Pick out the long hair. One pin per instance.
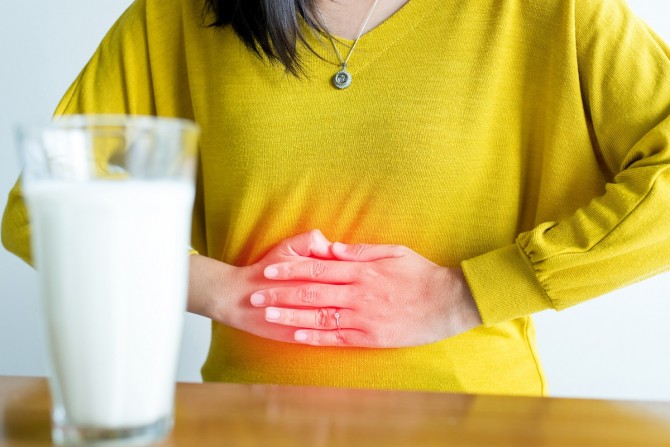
(269, 28)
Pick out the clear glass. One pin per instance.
(110, 201)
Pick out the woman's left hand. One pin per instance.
(384, 296)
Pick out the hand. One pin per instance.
(221, 291)
(382, 295)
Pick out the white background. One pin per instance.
(614, 347)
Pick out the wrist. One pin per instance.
(464, 309)
(209, 287)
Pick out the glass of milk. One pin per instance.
(110, 200)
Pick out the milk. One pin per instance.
(113, 263)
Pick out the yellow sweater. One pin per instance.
(526, 142)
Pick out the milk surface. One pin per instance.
(113, 263)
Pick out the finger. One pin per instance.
(321, 318)
(321, 271)
(255, 323)
(312, 243)
(344, 337)
(305, 295)
(367, 252)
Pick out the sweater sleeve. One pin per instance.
(117, 79)
(622, 236)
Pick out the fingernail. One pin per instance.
(272, 314)
(300, 336)
(257, 299)
(271, 271)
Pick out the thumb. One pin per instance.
(366, 252)
(312, 243)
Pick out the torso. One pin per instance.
(452, 104)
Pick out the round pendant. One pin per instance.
(342, 79)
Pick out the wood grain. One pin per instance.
(267, 416)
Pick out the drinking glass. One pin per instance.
(110, 200)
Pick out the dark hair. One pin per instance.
(269, 28)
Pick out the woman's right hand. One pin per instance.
(221, 291)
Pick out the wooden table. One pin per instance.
(226, 415)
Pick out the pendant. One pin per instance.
(342, 79)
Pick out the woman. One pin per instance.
(479, 162)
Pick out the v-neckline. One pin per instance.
(374, 41)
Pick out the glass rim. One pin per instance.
(81, 121)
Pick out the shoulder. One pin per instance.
(168, 13)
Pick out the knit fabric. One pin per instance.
(526, 142)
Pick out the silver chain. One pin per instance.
(344, 62)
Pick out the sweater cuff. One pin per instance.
(504, 285)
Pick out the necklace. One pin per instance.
(342, 79)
